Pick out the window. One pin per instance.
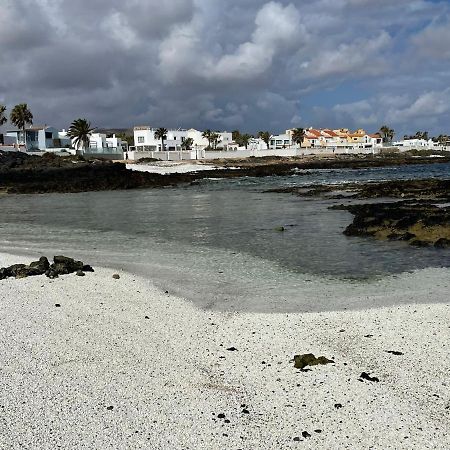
(140, 139)
(48, 135)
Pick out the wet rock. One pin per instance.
(366, 376)
(80, 273)
(442, 243)
(419, 223)
(87, 268)
(308, 359)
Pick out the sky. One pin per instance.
(229, 64)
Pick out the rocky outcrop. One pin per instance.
(62, 265)
(22, 173)
(418, 223)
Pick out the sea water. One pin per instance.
(216, 242)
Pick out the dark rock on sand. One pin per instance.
(116, 276)
(301, 361)
(62, 265)
(366, 376)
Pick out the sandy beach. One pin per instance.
(122, 365)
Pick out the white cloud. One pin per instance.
(360, 57)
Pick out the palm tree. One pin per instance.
(245, 138)
(80, 131)
(298, 136)
(3, 118)
(207, 134)
(215, 138)
(187, 143)
(20, 117)
(387, 133)
(265, 136)
(161, 133)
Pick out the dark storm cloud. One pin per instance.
(248, 64)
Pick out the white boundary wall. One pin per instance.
(237, 154)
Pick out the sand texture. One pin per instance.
(122, 365)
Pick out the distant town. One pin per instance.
(191, 144)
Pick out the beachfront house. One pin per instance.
(39, 138)
(418, 144)
(326, 140)
(145, 140)
(201, 143)
(101, 143)
(280, 141)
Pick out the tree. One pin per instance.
(20, 117)
(215, 139)
(265, 136)
(80, 131)
(298, 136)
(387, 134)
(161, 133)
(187, 143)
(207, 134)
(245, 138)
(421, 135)
(3, 118)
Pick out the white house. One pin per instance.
(225, 139)
(100, 143)
(144, 139)
(280, 141)
(37, 138)
(417, 144)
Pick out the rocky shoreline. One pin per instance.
(26, 174)
(421, 217)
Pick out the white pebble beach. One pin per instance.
(123, 365)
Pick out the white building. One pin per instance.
(418, 144)
(102, 144)
(39, 138)
(225, 139)
(144, 139)
(280, 141)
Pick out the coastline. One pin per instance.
(170, 376)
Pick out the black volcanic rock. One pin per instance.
(421, 224)
(62, 265)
